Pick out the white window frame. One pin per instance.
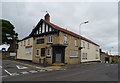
(83, 44)
(73, 53)
(84, 55)
(28, 51)
(88, 45)
(50, 40)
(48, 50)
(65, 39)
(38, 52)
(96, 48)
(76, 42)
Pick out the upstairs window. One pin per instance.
(75, 42)
(65, 40)
(50, 39)
(24, 42)
(83, 44)
(40, 41)
(96, 48)
(88, 45)
(28, 41)
(21, 43)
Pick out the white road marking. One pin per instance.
(8, 72)
(25, 72)
(41, 70)
(33, 71)
(49, 69)
(21, 67)
(4, 76)
(38, 67)
(14, 74)
(0, 66)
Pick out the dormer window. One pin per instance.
(50, 39)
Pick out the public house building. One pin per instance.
(49, 44)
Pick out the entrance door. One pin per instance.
(106, 59)
(58, 57)
(58, 54)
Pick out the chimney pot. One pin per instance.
(47, 17)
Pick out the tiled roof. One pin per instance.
(25, 38)
(71, 33)
(68, 32)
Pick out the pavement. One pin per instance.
(17, 67)
(20, 71)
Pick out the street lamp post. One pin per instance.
(111, 50)
(80, 34)
(81, 24)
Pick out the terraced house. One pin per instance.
(49, 43)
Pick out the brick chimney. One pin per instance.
(47, 17)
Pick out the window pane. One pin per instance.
(48, 51)
(65, 39)
(37, 52)
(50, 39)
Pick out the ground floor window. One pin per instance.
(74, 53)
(48, 51)
(28, 51)
(84, 55)
(96, 56)
(37, 52)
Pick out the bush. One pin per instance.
(114, 62)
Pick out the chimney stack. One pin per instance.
(47, 17)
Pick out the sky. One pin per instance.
(102, 16)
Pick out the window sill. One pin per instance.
(65, 43)
(73, 56)
(37, 56)
(49, 42)
(48, 56)
(76, 46)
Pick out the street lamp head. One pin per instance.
(86, 22)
